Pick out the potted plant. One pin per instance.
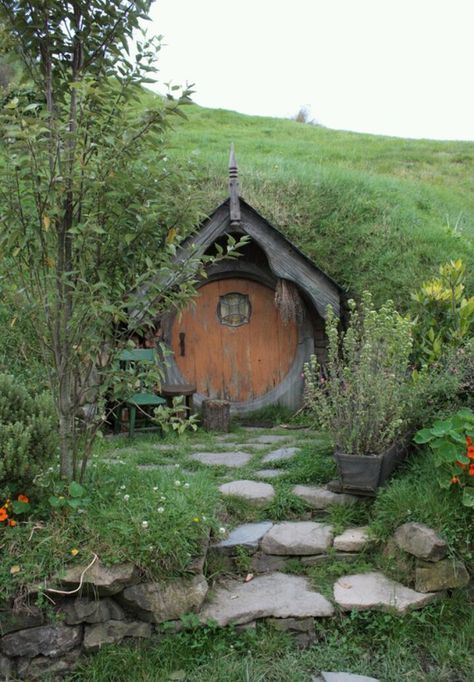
(360, 395)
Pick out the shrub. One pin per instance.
(361, 396)
(28, 434)
(447, 385)
(444, 316)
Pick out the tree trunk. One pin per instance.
(216, 415)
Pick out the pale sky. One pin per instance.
(391, 67)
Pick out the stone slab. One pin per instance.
(270, 439)
(267, 563)
(102, 580)
(374, 591)
(113, 632)
(45, 640)
(253, 492)
(280, 455)
(82, 610)
(227, 459)
(421, 541)
(319, 559)
(274, 595)
(297, 538)
(253, 446)
(45, 668)
(247, 536)
(270, 473)
(167, 600)
(352, 540)
(319, 497)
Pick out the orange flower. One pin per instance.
(468, 440)
(12, 523)
(470, 452)
(3, 514)
(455, 479)
(23, 498)
(460, 464)
(471, 470)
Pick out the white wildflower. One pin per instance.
(144, 524)
(177, 483)
(126, 498)
(160, 510)
(186, 485)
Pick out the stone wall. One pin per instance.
(105, 605)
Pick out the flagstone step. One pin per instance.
(270, 473)
(374, 591)
(297, 538)
(275, 595)
(319, 497)
(253, 492)
(280, 455)
(234, 459)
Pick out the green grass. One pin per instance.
(374, 212)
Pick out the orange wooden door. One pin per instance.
(233, 347)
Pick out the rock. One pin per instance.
(270, 473)
(352, 540)
(442, 575)
(297, 538)
(401, 562)
(292, 624)
(158, 602)
(251, 491)
(375, 591)
(102, 580)
(265, 563)
(319, 559)
(343, 677)
(247, 536)
(277, 595)
(280, 455)
(253, 446)
(270, 439)
(6, 668)
(319, 497)
(84, 610)
(227, 459)
(39, 667)
(46, 640)
(421, 541)
(28, 617)
(112, 632)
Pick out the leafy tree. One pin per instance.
(85, 189)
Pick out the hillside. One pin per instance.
(374, 212)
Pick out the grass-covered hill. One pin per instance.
(374, 212)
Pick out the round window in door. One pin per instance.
(234, 309)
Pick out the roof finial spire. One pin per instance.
(234, 189)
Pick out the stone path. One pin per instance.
(280, 455)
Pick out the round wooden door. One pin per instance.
(231, 343)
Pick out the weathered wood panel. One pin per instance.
(234, 363)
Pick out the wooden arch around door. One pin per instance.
(231, 343)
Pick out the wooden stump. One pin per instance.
(216, 415)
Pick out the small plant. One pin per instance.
(444, 316)
(75, 497)
(175, 418)
(28, 435)
(360, 396)
(452, 444)
(12, 508)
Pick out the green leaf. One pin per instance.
(20, 507)
(423, 436)
(468, 497)
(55, 502)
(76, 489)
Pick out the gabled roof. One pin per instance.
(285, 260)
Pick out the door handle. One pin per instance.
(182, 344)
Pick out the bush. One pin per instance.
(28, 434)
(361, 397)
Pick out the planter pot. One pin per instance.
(363, 474)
